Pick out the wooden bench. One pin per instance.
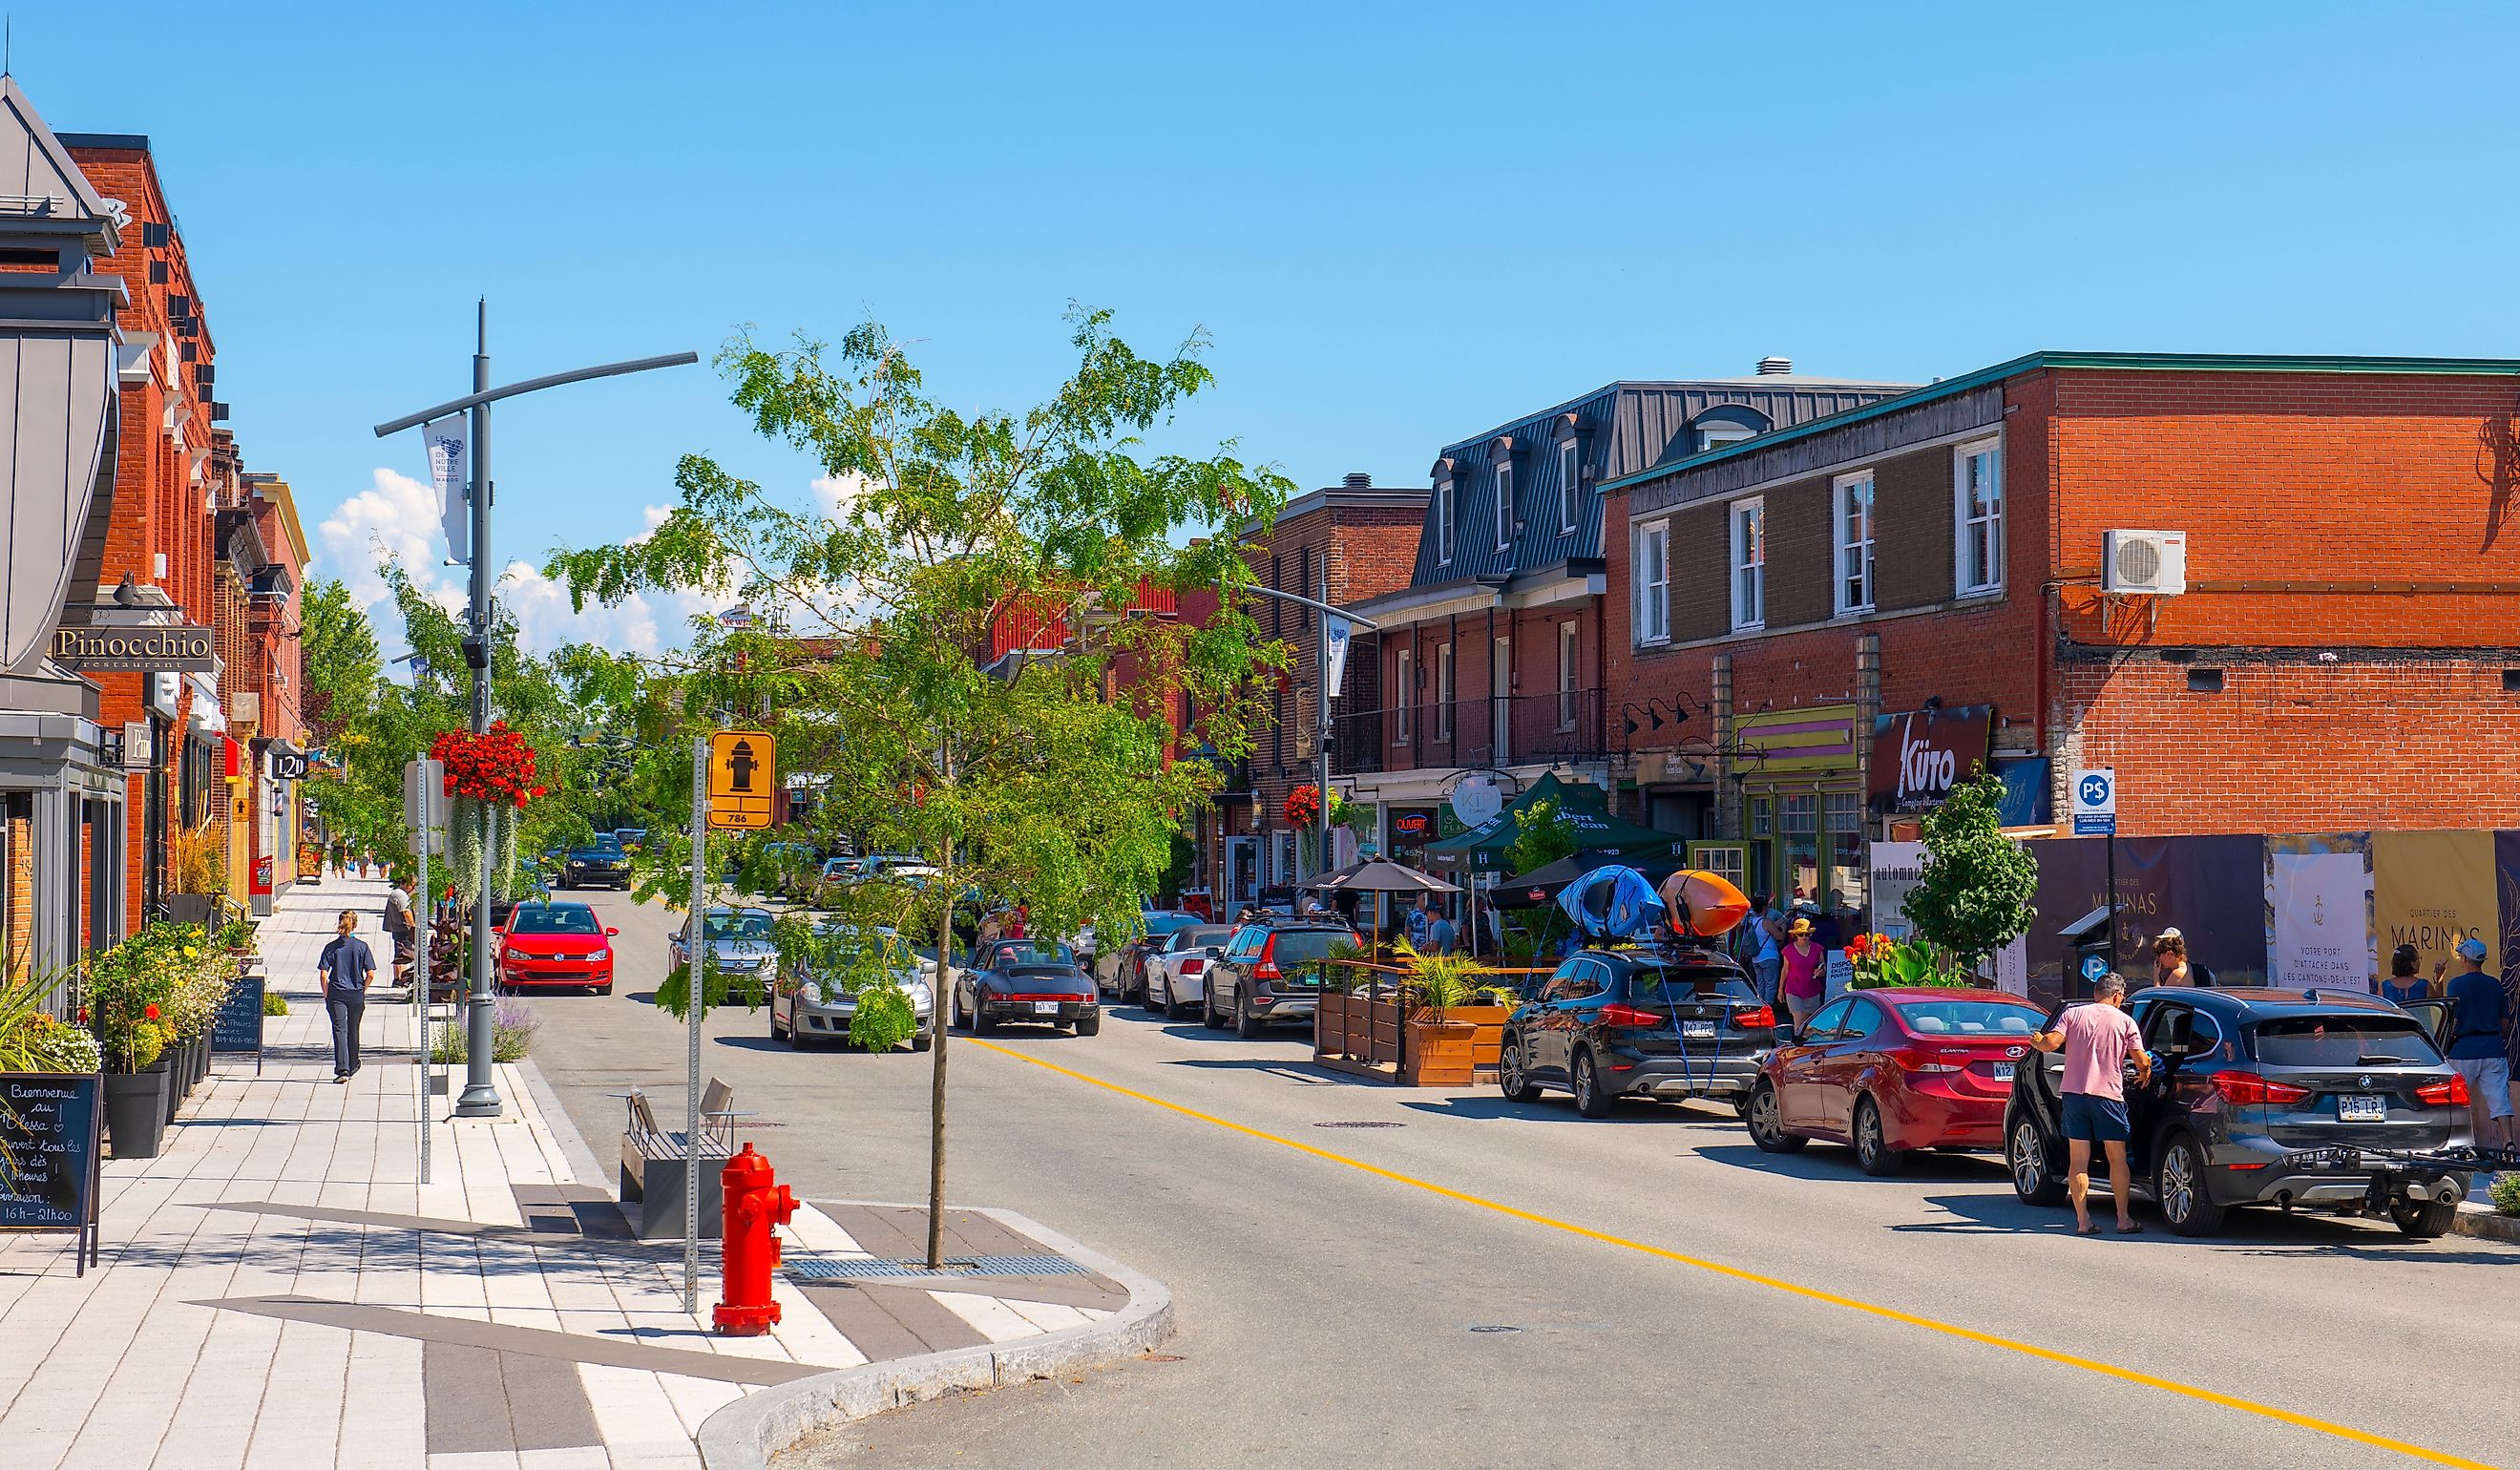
(656, 1161)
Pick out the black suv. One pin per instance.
(600, 861)
(2264, 1097)
(1266, 972)
(1679, 1022)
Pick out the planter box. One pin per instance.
(1489, 1043)
(190, 908)
(1439, 1055)
(135, 1112)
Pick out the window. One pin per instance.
(1717, 436)
(1827, 1022)
(1570, 483)
(1444, 522)
(1566, 671)
(1303, 578)
(1504, 504)
(1749, 564)
(1653, 583)
(1400, 671)
(1863, 1018)
(1443, 691)
(1978, 492)
(1854, 496)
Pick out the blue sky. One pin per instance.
(1399, 225)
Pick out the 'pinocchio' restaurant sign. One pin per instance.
(150, 650)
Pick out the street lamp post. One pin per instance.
(480, 1098)
(1324, 612)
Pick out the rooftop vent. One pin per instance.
(1358, 479)
(1774, 367)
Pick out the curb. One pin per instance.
(563, 1129)
(2486, 1225)
(746, 1434)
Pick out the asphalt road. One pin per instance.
(1646, 1290)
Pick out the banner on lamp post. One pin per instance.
(1335, 631)
(449, 441)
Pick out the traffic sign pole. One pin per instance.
(2096, 815)
(696, 966)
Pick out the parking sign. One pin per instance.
(2096, 802)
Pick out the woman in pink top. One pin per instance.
(1806, 972)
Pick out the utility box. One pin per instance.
(2087, 950)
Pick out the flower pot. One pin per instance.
(173, 1097)
(1440, 1054)
(135, 1112)
(200, 1045)
(189, 908)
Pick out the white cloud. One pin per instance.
(834, 492)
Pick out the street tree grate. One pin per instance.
(822, 1268)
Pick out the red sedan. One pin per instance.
(1896, 1070)
(555, 945)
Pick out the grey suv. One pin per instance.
(1677, 1023)
(1266, 973)
(2267, 1096)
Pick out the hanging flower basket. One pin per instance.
(1304, 806)
(495, 766)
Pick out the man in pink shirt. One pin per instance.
(2098, 1039)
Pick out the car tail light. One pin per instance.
(2452, 1091)
(1910, 1060)
(1757, 1018)
(1266, 966)
(2248, 1089)
(1620, 1013)
(1192, 966)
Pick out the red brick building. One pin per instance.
(2341, 652)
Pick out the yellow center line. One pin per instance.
(1773, 1283)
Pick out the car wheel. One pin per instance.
(2178, 1184)
(1873, 1151)
(961, 1020)
(1589, 1099)
(605, 989)
(981, 1025)
(2425, 1221)
(1767, 1120)
(922, 1043)
(1516, 1084)
(2027, 1162)
(1245, 1025)
(1089, 1025)
(1208, 1015)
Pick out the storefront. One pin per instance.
(1802, 803)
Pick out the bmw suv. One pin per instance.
(2266, 1096)
(1672, 1023)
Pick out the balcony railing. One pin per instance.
(1472, 734)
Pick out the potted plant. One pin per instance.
(1440, 1051)
(237, 936)
(129, 987)
(199, 863)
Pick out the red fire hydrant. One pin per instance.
(754, 1202)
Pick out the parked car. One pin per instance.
(555, 945)
(1892, 1071)
(630, 838)
(599, 862)
(1176, 974)
(836, 873)
(1028, 980)
(1264, 973)
(1673, 1023)
(1128, 971)
(2248, 1080)
(739, 945)
(809, 1006)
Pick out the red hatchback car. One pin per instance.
(555, 945)
(1893, 1071)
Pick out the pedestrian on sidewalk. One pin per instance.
(2404, 983)
(346, 964)
(2478, 1009)
(1422, 919)
(398, 923)
(1440, 934)
(2170, 960)
(2098, 1039)
(1768, 943)
(1803, 962)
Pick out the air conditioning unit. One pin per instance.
(2152, 563)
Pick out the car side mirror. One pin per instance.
(610, 933)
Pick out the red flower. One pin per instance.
(151, 1011)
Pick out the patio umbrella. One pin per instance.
(1381, 875)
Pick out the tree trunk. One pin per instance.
(940, 1010)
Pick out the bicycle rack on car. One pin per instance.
(2398, 1171)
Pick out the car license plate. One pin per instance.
(1696, 1029)
(2002, 1071)
(1045, 1007)
(2361, 1107)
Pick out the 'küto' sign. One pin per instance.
(1919, 756)
(162, 649)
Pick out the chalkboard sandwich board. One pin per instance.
(52, 1138)
(238, 1025)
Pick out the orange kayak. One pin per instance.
(1703, 903)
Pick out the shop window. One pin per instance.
(1653, 583)
(1842, 814)
(1977, 492)
(1799, 823)
(1763, 817)
(1749, 564)
(1854, 515)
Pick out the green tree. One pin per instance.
(1543, 832)
(1042, 783)
(1973, 896)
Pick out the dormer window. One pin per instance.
(1504, 504)
(1725, 423)
(1444, 504)
(1571, 484)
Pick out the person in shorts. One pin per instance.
(2098, 1040)
(2478, 1010)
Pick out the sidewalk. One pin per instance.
(279, 1290)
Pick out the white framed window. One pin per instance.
(1571, 484)
(1444, 522)
(1504, 504)
(1853, 515)
(1977, 515)
(1443, 691)
(1717, 436)
(1568, 652)
(1403, 665)
(1751, 564)
(1654, 582)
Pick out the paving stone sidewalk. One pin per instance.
(279, 1290)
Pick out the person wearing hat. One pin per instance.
(2404, 983)
(2478, 1012)
(1806, 971)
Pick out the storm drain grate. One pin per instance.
(818, 1268)
(1362, 1122)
